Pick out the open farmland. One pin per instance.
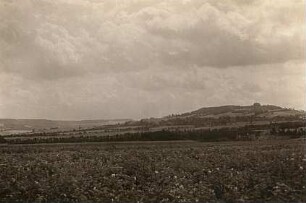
(154, 171)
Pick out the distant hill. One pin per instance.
(257, 109)
(208, 117)
(226, 115)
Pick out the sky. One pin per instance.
(108, 59)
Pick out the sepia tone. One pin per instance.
(152, 101)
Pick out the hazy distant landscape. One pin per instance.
(19, 126)
(223, 123)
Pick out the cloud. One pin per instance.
(106, 58)
(213, 36)
(50, 40)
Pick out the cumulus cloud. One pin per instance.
(51, 39)
(107, 58)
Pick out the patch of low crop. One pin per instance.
(184, 172)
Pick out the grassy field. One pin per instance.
(154, 172)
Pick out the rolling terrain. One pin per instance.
(206, 124)
(178, 158)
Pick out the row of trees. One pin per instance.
(200, 135)
(210, 121)
(288, 129)
(224, 134)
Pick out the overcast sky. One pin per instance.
(88, 59)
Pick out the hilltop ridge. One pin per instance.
(226, 114)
